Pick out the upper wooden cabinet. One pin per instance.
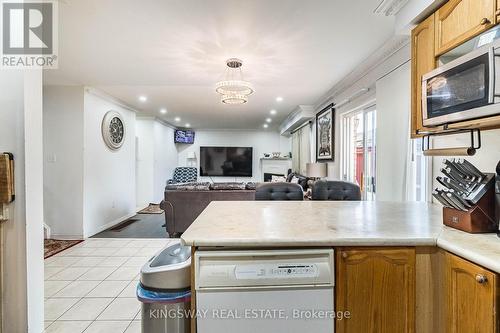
(422, 62)
(472, 297)
(459, 20)
(377, 286)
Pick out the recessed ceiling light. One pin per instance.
(273, 112)
(177, 119)
(163, 111)
(265, 125)
(143, 98)
(279, 99)
(188, 125)
(269, 120)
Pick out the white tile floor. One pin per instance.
(91, 287)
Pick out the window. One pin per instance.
(419, 182)
(359, 150)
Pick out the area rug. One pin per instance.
(54, 246)
(151, 209)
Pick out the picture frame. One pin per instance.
(325, 134)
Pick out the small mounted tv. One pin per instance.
(183, 136)
(226, 161)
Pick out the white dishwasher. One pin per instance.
(265, 291)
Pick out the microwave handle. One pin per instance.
(423, 100)
(492, 70)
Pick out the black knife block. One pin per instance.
(480, 218)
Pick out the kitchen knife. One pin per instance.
(456, 202)
(473, 169)
(464, 172)
(450, 164)
(448, 172)
(446, 199)
(436, 195)
(460, 199)
(451, 185)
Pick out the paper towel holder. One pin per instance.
(475, 144)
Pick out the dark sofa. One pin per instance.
(184, 203)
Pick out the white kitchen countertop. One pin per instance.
(336, 223)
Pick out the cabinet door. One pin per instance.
(497, 13)
(471, 297)
(422, 62)
(377, 286)
(459, 20)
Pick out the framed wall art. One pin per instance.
(325, 134)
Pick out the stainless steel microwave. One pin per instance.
(465, 88)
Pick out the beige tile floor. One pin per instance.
(91, 287)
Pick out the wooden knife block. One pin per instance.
(479, 218)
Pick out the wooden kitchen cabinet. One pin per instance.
(422, 62)
(377, 287)
(459, 20)
(471, 297)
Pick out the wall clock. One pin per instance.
(113, 130)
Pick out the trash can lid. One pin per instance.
(174, 254)
(168, 270)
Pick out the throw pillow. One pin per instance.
(278, 179)
(295, 180)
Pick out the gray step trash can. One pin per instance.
(165, 291)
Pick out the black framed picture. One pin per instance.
(325, 134)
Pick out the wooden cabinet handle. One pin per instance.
(480, 278)
(344, 255)
(485, 21)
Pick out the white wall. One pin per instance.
(392, 59)
(109, 176)
(156, 159)
(261, 141)
(144, 162)
(165, 158)
(486, 158)
(393, 126)
(63, 160)
(22, 236)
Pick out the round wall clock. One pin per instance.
(113, 130)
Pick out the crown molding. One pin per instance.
(390, 7)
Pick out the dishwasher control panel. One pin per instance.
(223, 269)
(267, 271)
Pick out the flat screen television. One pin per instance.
(226, 161)
(183, 136)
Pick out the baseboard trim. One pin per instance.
(66, 237)
(109, 225)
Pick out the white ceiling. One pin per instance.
(173, 52)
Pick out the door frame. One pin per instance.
(371, 105)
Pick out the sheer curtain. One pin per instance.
(301, 149)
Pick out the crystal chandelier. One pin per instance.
(234, 89)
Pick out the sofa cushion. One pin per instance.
(335, 190)
(188, 187)
(227, 186)
(279, 191)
